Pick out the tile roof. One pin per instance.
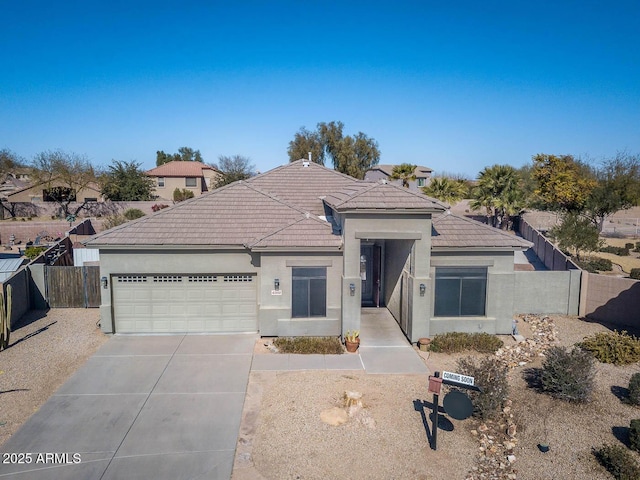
(237, 214)
(302, 185)
(381, 196)
(179, 169)
(309, 231)
(388, 169)
(453, 231)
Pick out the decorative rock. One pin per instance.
(509, 445)
(483, 428)
(511, 458)
(511, 431)
(334, 416)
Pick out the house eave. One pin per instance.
(478, 249)
(166, 246)
(297, 249)
(388, 211)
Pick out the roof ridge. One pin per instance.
(306, 216)
(311, 164)
(418, 194)
(273, 197)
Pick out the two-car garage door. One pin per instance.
(184, 303)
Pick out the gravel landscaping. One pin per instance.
(388, 439)
(46, 348)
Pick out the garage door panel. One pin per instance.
(185, 303)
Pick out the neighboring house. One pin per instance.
(383, 172)
(194, 176)
(41, 192)
(299, 250)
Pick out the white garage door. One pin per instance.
(184, 303)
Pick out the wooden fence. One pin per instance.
(72, 287)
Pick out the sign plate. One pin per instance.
(457, 405)
(458, 378)
(276, 292)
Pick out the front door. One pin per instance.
(370, 274)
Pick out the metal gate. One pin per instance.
(72, 287)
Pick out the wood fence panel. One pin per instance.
(92, 286)
(73, 287)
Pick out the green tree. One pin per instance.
(446, 189)
(351, 155)
(404, 172)
(63, 175)
(180, 195)
(576, 233)
(233, 168)
(617, 188)
(563, 183)
(498, 192)
(305, 141)
(185, 154)
(126, 182)
(9, 161)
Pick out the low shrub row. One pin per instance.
(596, 265)
(309, 345)
(621, 251)
(618, 461)
(453, 342)
(635, 273)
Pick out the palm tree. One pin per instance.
(498, 191)
(404, 172)
(446, 189)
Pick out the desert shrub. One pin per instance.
(453, 342)
(490, 375)
(133, 213)
(628, 246)
(181, 195)
(637, 249)
(309, 345)
(622, 251)
(634, 389)
(114, 220)
(634, 434)
(32, 252)
(596, 265)
(615, 347)
(568, 374)
(635, 273)
(618, 461)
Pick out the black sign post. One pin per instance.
(460, 408)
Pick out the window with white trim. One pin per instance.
(161, 181)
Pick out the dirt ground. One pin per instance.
(389, 437)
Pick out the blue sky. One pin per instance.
(455, 86)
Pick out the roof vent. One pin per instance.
(305, 164)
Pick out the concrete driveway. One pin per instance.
(161, 407)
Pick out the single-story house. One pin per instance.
(299, 250)
(383, 172)
(194, 176)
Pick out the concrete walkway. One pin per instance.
(161, 407)
(383, 349)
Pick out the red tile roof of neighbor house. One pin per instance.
(179, 169)
(281, 209)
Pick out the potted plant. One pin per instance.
(352, 340)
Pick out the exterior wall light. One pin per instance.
(352, 289)
(423, 289)
(276, 284)
(104, 282)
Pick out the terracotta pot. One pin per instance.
(352, 346)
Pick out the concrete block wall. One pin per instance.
(612, 300)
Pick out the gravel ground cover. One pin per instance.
(388, 437)
(46, 348)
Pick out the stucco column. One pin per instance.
(351, 304)
(421, 300)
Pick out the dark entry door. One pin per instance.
(370, 274)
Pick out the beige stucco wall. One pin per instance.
(35, 193)
(275, 309)
(171, 183)
(500, 293)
